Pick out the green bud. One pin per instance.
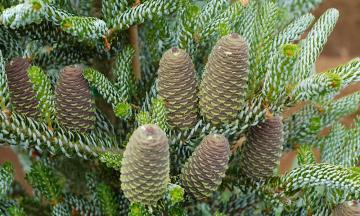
(122, 110)
(176, 193)
(290, 50)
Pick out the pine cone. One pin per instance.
(350, 208)
(23, 96)
(146, 165)
(203, 172)
(224, 82)
(262, 150)
(177, 86)
(75, 107)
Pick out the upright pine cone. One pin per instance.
(23, 96)
(224, 82)
(203, 172)
(177, 86)
(146, 165)
(75, 107)
(347, 208)
(262, 150)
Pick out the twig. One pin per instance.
(134, 41)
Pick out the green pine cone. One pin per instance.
(177, 86)
(262, 150)
(224, 81)
(203, 172)
(349, 208)
(74, 104)
(23, 96)
(146, 165)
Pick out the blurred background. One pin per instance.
(343, 45)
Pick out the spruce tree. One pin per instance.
(128, 107)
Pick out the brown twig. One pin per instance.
(134, 41)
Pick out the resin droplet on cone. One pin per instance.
(262, 150)
(203, 172)
(177, 86)
(74, 104)
(225, 80)
(349, 208)
(22, 94)
(146, 165)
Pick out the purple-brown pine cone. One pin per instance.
(74, 104)
(22, 94)
(205, 169)
(224, 83)
(177, 86)
(145, 166)
(349, 208)
(262, 150)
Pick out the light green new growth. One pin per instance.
(143, 118)
(44, 92)
(137, 209)
(111, 160)
(305, 155)
(176, 193)
(123, 110)
(45, 182)
(16, 211)
(159, 113)
(107, 200)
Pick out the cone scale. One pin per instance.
(224, 81)
(262, 150)
(74, 104)
(22, 94)
(177, 86)
(146, 165)
(203, 172)
(349, 208)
